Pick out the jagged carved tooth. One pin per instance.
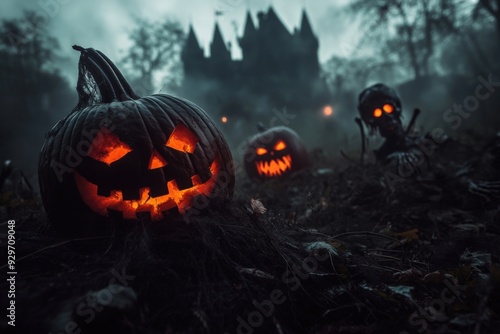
(288, 160)
(259, 167)
(274, 167)
(282, 164)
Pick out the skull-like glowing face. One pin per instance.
(380, 109)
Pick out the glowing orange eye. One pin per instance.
(377, 112)
(388, 108)
(280, 145)
(261, 151)
(108, 148)
(182, 139)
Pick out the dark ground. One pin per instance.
(337, 252)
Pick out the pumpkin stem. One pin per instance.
(105, 79)
(126, 86)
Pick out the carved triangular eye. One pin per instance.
(156, 161)
(108, 148)
(280, 145)
(261, 151)
(182, 139)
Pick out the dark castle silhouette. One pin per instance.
(277, 69)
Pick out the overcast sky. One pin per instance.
(105, 24)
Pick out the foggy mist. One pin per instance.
(348, 56)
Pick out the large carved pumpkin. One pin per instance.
(275, 152)
(122, 156)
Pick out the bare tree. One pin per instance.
(155, 50)
(353, 74)
(413, 25)
(492, 7)
(28, 40)
(33, 92)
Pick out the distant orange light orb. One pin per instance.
(327, 111)
(224, 119)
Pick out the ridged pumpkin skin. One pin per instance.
(274, 153)
(120, 156)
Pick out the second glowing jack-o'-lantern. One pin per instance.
(122, 156)
(275, 152)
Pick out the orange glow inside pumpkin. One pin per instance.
(388, 108)
(274, 167)
(156, 161)
(183, 199)
(280, 145)
(108, 148)
(182, 139)
(261, 151)
(114, 149)
(377, 112)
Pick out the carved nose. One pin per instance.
(156, 161)
(272, 153)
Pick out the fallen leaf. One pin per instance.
(257, 206)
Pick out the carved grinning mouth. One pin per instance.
(274, 167)
(159, 207)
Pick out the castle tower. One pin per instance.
(274, 41)
(306, 32)
(192, 55)
(309, 46)
(192, 47)
(249, 40)
(218, 49)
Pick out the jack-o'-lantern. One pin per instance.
(274, 153)
(118, 155)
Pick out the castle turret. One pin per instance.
(249, 34)
(306, 33)
(269, 23)
(308, 48)
(218, 49)
(249, 44)
(192, 54)
(274, 43)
